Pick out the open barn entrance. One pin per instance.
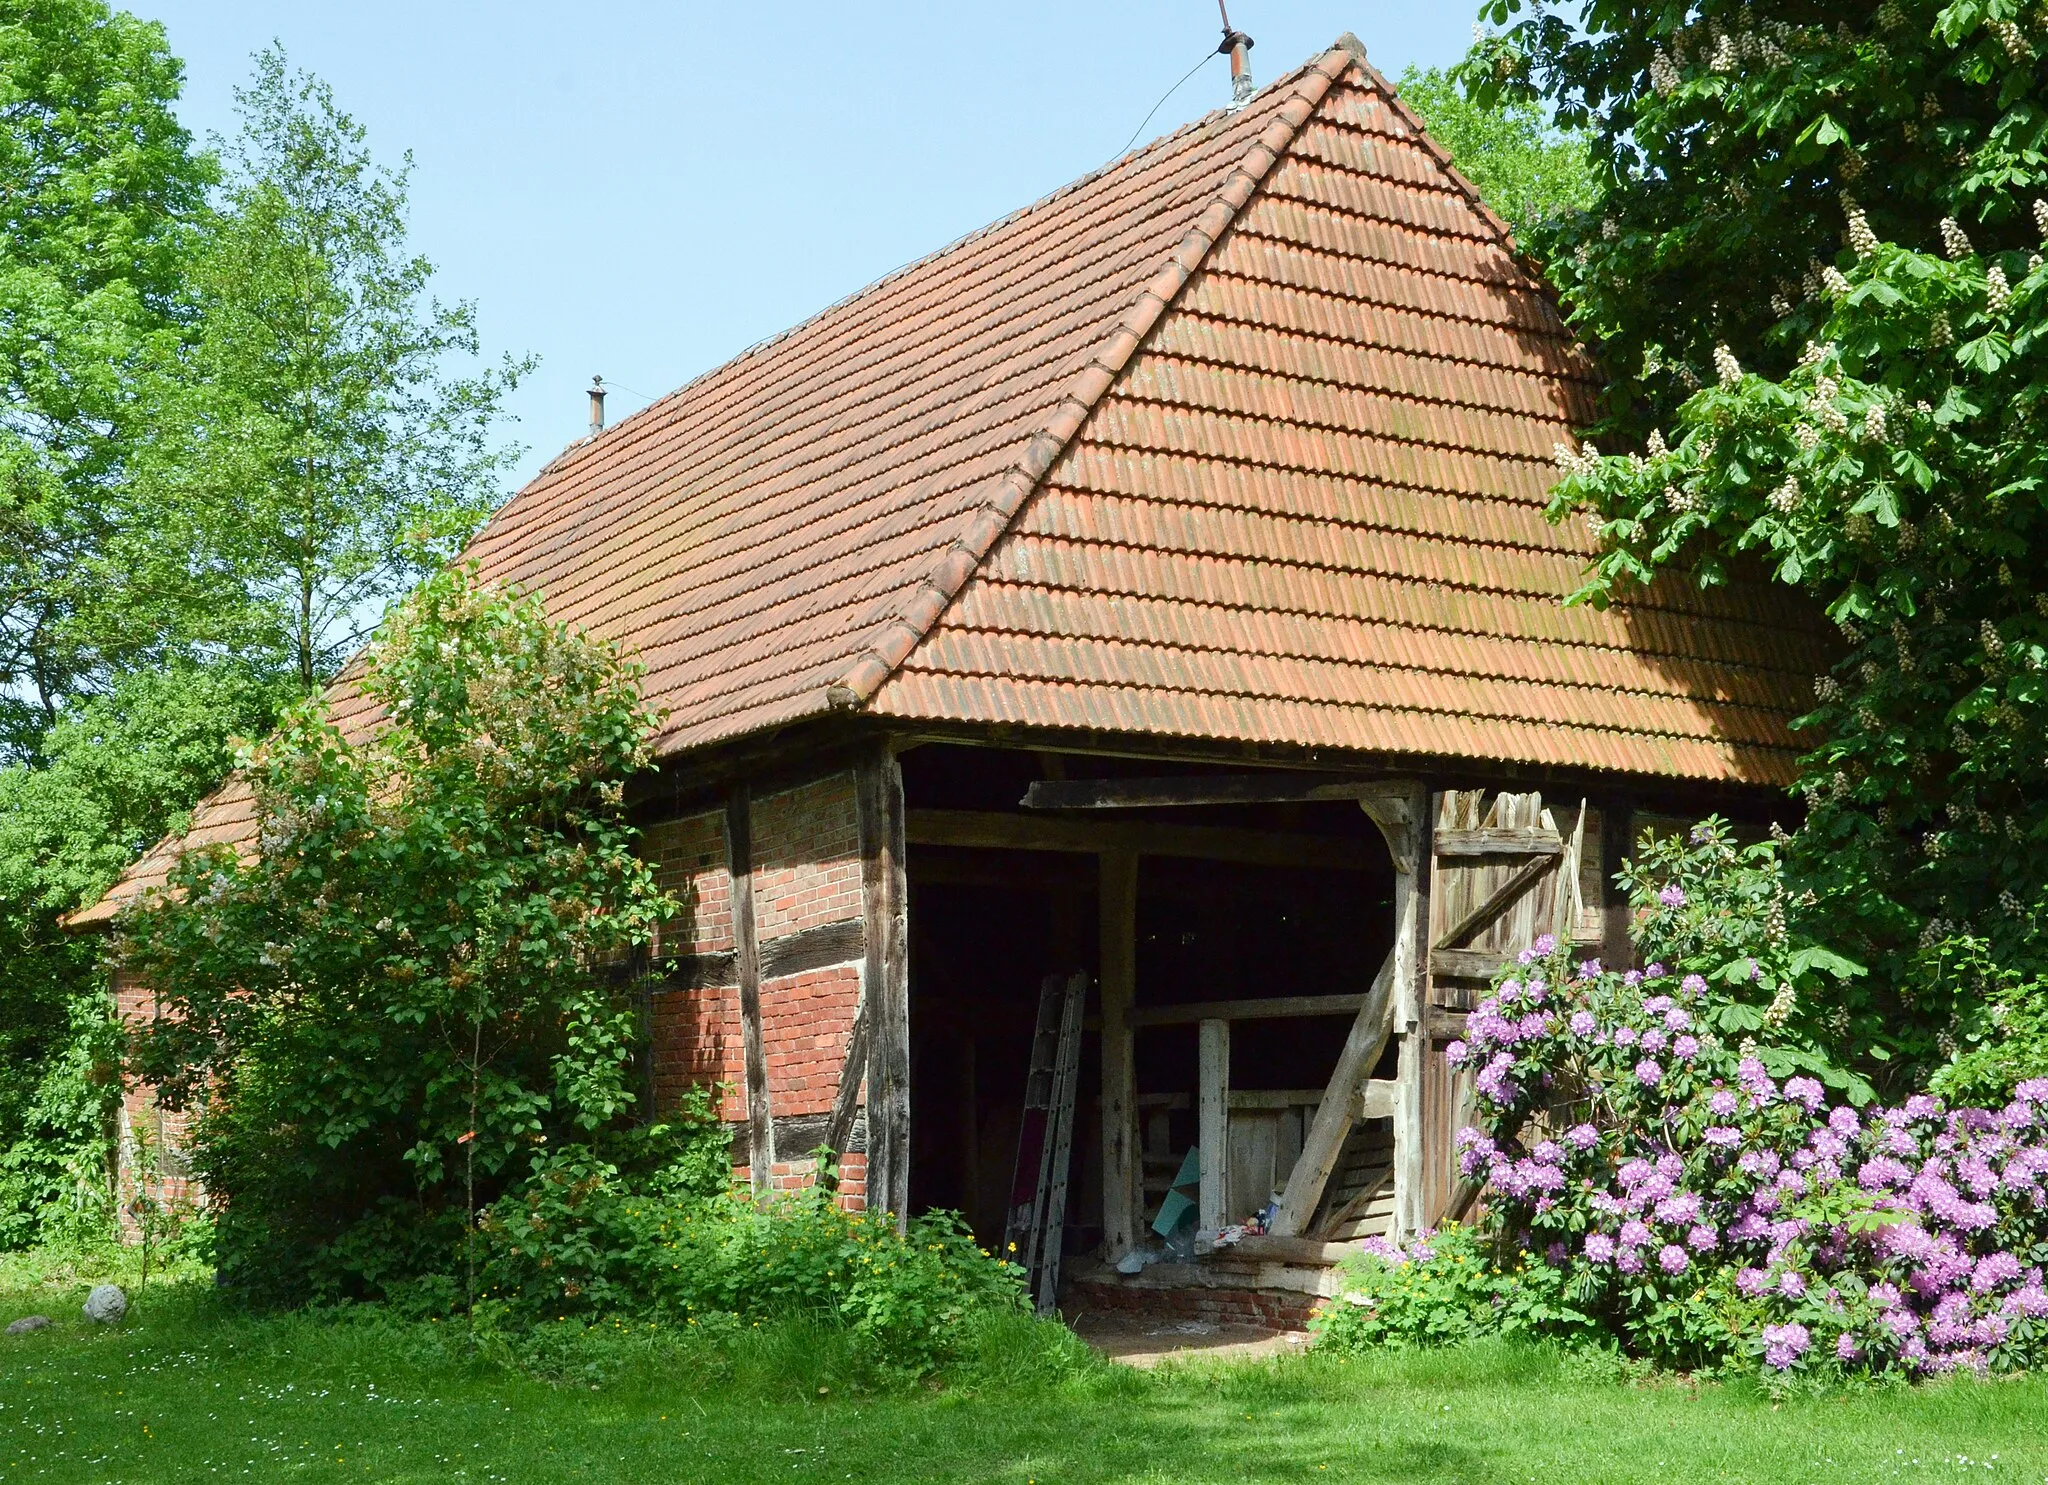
(1243, 940)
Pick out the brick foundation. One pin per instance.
(1269, 1309)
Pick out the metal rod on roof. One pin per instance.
(1235, 46)
(596, 406)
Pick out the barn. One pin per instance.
(1121, 702)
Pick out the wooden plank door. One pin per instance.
(1504, 871)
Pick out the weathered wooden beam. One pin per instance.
(992, 830)
(1496, 840)
(1242, 788)
(852, 1073)
(796, 953)
(1376, 1099)
(1503, 897)
(1326, 1133)
(1273, 1008)
(1212, 1130)
(1122, 1171)
(1468, 964)
(739, 851)
(885, 980)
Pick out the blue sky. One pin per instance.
(645, 190)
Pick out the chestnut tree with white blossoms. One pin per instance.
(1815, 278)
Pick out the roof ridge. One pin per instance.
(914, 619)
(1350, 43)
(746, 353)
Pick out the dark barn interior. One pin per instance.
(990, 923)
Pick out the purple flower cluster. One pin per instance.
(1619, 1134)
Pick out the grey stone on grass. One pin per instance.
(28, 1323)
(106, 1304)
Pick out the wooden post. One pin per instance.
(739, 851)
(1617, 824)
(885, 980)
(1213, 1128)
(1121, 1196)
(1411, 976)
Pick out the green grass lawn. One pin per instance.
(186, 1391)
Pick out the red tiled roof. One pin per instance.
(1244, 437)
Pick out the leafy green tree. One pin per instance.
(319, 451)
(99, 190)
(1526, 168)
(1814, 274)
(118, 772)
(408, 990)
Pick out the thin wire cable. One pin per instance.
(1162, 103)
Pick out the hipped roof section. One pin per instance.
(1244, 438)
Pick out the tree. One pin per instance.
(99, 190)
(1814, 274)
(321, 453)
(410, 988)
(1525, 167)
(117, 772)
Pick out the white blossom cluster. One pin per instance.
(1663, 76)
(1997, 292)
(2012, 39)
(1954, 241)
(1785, 499)
(1821, 404)
(1826, 688)
(1941, 333)
(1726, 367)
(1680, 501)
(1873, 423)
(1582, 460)
(1862, 241)
(1991, 639)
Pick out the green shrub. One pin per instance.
(1445, 1290)
(580, 1241)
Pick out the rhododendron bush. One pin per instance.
(1663, 1188)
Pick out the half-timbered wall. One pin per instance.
(790, 860)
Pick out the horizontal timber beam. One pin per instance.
(991, 830)
(1278, 1007)
(1235, 788)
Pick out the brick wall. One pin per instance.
(173, 1186)
(696, 1036)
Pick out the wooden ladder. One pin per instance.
(1037, 1217)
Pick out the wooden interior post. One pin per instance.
(1411, 978)
(1213, 1128)
(1617, 824)
(1122, 1199)
(739, 849)
(885, 973)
